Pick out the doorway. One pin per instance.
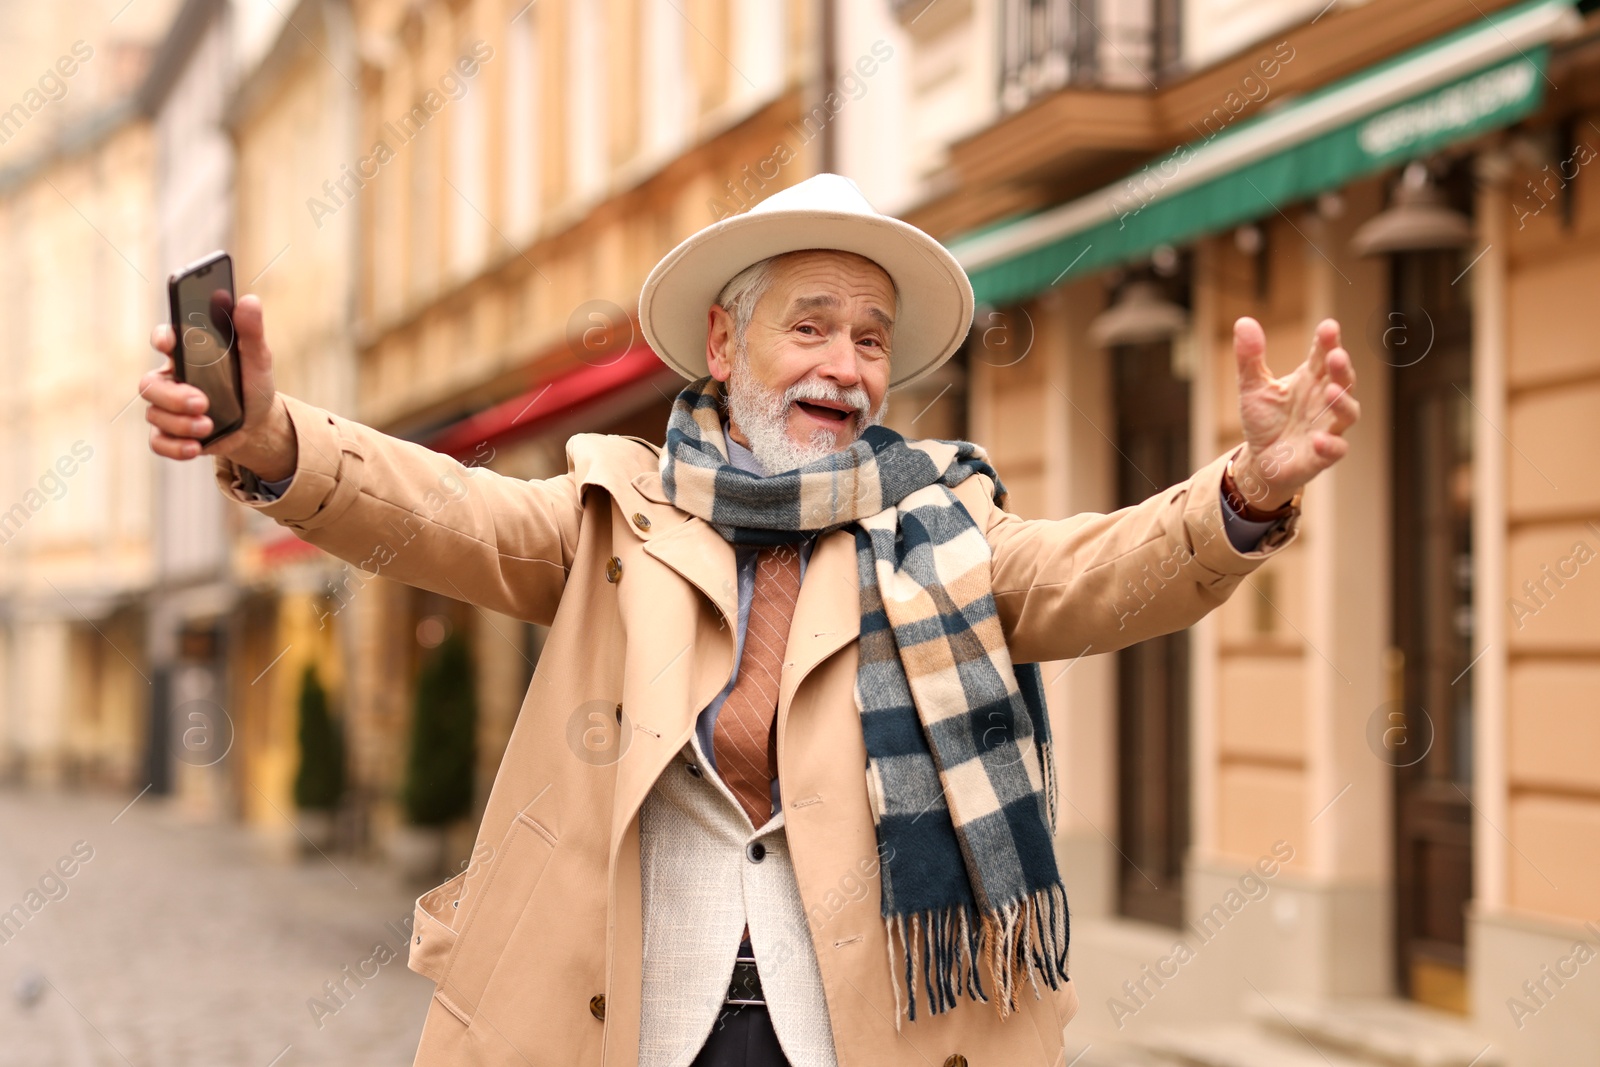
(1152, 435)
(1432, 618)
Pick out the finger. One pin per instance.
(1344, 409)
(156, 374)
(172, 447)
(1250, 349)
(162, 339)
(173, 425)
(1341, 368)
(176, 397)
(153, 376)
(250, 329)
(1324, 340)
(1328, 447)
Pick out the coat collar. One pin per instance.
(827, 614)
(828, 610)
(628, 469)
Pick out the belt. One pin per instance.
(745, 986)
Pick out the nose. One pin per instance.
(839, 361)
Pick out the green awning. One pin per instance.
(1487, 75)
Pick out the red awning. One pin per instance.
(287, 548)
(555, 397)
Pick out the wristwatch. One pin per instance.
(1249, 512)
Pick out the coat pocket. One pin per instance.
(433, 932)
(475, 948)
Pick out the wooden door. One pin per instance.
(1152, 435)
(1432, 581)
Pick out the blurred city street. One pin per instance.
(1328, 782)
(183, 944)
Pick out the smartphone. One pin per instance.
(206, 355)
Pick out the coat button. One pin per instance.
(956, 1060)
(597, 1006)
(614, 569)
(641, 520)
(694, 769)
(756, 851)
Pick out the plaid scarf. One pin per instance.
(960, 777)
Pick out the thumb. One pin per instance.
(254, 356)
(1250, 349)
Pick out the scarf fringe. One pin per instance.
(1048, 761)
(1026, 936)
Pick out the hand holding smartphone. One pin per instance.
(206, 351)
(198, 404)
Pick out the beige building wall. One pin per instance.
(77, 482)
(1552, 596)
(553, 182)
(1539, 817)
(76, 282)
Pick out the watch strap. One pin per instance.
(1244, 509)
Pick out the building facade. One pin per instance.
(1356, 790)
(77, 555)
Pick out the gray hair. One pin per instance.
(741, 295)
(744, 291)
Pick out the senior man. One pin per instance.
(824, 834)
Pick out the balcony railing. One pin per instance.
(1047, 45)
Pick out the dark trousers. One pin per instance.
(742, 1036)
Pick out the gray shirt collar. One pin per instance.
(740, 456)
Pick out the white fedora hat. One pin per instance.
(829, 212)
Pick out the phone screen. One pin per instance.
(205, 338)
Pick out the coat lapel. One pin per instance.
(827, 613)
(828, 610)
(696, 551)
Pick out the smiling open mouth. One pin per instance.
(820, 411)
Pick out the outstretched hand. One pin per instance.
(1294, 425)
(177, 415)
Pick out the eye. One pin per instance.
(804, 326)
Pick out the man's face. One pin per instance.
(815, 369)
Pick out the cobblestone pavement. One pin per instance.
(176, 944)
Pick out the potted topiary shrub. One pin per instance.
(439, 768)
(319, 780)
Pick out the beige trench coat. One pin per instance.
(536, 946)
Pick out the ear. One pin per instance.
(719, 343)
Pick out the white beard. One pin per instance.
(763, 415)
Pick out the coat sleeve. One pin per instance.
(1095, 582)
(403, 511)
